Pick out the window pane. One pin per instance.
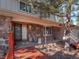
(25, 7)
(28, 8)
(22, 6)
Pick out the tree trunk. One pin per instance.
(67, 32)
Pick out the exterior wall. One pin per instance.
(4, 29)
(11, 5)
(14, 6)
(0, 3)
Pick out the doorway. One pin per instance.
(17, 33)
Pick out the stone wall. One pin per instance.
(4, 29)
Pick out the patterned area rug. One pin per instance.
(29, 53)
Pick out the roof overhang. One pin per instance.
(24, 18)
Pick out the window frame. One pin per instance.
(27, 9)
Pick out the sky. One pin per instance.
(74, 13)
(74, 18)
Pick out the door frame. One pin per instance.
(14, 25)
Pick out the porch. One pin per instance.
(26, 35)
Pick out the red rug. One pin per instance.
(29, 53)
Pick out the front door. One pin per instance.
(17, 32)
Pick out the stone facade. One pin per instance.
(4, 29)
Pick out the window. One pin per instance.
(22, 6)
(25, 7)
(48, 30)
(29, 8)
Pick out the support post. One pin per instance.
(45, 36)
